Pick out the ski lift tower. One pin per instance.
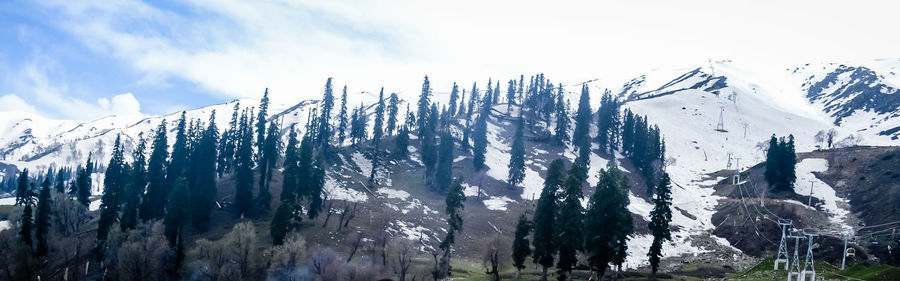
(794, 272)
(721, 126)
(782, 256)
(809, 267)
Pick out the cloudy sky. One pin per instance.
(78, 59)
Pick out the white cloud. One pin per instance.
(123, 104)
(15, 103)
(238, 48)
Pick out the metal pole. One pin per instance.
(844, 258)
(809, 202)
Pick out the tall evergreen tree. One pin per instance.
(520, 246)
(113, 184)
(607, 221)
(22, 192)
(131, 195)
(265, 167)
(243, 197)
(473, 98)
(660, 217)
(608, 123)
(154, 200)
(510, 95)
(561, 130)
(444, 173)
(424, 104)
(180, 152)
(392, 110)
(479, 133)
(544, 242)
(342, 118)
(324, 137)
(283, 221)
(377, 134)
(60, 183)
(401, 142)
(429, 145)
(569, 223)
(203, 186)
(261, 123)
(454, 97)
(228, 143)
(26, 222)
(581, 137)
(83, 183)
(42, 219)
(781, 161)
(454, 205)
(176, 219)
(517, 155)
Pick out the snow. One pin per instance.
(497, 203)
(471, 190)
(639, 206)
(532, 184)
(336, 191)
(4, 225)
(496, 157)
(8, 201)
(639, 245)
(393, 193)
(830, 202)
(365, 166)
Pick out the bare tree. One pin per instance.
(491, 261)
(325, 263)
(355, 246)
(141, 256)
(829, 137)
(402, 253)
(286, 257)
(231, 258)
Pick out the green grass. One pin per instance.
(763, 271)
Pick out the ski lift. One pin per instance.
(851, 252)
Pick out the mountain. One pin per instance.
(688, 105)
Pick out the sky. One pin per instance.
(82, 60)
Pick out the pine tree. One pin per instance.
(561, 130)
(401, 142)
(175, 221)
(495, 95)
(113, 184)
(607, 221)
(42, 219)
(444, 173)
(282, 223)
(154, 201)
(203, 186)
(520, 246)
(261, 124)
(228, 143)
(131, 195)
(324, 137)
(608, 123)
(517, 155)
(22, 192)
(660, 217)
(342, 118)
(424, 103)
(429, 145)
(545, 217)
(581, 137)
(454, 97)
(317, 186)
(479, 133)
(392, 111)
(454, 205)
(378, 128)
(60, 183)
(266, 164)
(25, 226)
(83, 183)
(510, 95)
(569, 230)
(243, 197)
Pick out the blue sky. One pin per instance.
(86, 59)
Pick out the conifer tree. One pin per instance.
(607, 221)
(461, 111)
(581, 137)
(317, 186)
(781, 160)
(454, 205)
(544, 241)
(26, 223)
(479, 133)
(510, 95)
(203, 186)
(401, 142)
(660, 217)
(60, 183)
(520, 246)
(517, 155)
(444, 173)
(243, 197)
(180, 151)
(83, 183)
(561, 130)
(429, 146)
(154, 200)
(342, 118)
(266, 165)
(261, 123)
(42, 219)
(454, 97)
(228, 143)
(473, 98)
(392, 110)
(22, 191)
(176, 218)
(131, 195)
(113, 184)
(424, 103)
(378, 128)
(569, 230)
(324, 137)
(496, 94)
(608, 123)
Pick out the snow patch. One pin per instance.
(497, 203)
